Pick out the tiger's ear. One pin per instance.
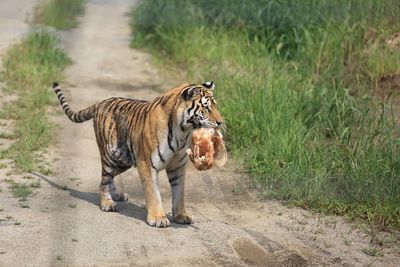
(190, 92)
(209, 85)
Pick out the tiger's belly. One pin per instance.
(122, 157)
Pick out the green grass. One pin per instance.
(372, 251)
(20, 190)
(9, 136)
(29, 69)
(296, 82)
(60, 14)
(35, 184)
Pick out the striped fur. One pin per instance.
(78, 117)
(149, 135)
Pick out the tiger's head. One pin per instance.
(200, 107)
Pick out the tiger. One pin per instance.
(151, 136)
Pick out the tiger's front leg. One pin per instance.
(149, 178)
(176, 177)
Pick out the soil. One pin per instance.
(233, 227)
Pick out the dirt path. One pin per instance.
(13, 26)
(64, 225)
(13, 17)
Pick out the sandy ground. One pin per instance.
(64, 225)
(13, 18)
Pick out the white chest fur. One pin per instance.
(168, 149)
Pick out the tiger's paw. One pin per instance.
(119, 196)
(184, 218)
(158, 221)
(108, 205)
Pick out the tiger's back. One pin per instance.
(113, 121)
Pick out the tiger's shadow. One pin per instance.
(127, 208)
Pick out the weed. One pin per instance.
(347, 241)
(237, 190)
(3, 165)
(12, 171)
(8, 180)
(45, 170)
(17, 223)
(20, 190)
(7, 135)
(74, 240)
(60, 14)
(73, 206)
(59, 258)
(35, 184)
(372, 251)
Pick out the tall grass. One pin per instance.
(29, 69)
(296, 83)
(60, 14)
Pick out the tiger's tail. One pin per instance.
(77, 117)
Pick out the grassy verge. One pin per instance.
(29, 68)
(296, 82)
(60, 14)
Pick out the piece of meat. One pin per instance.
(221, 155)
(207, 149)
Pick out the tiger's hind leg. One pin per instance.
(119, 196)
(106, 190)
(108, 193)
